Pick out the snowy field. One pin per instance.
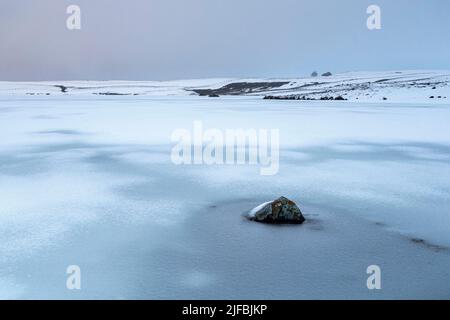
(413, 86)
(88, 181)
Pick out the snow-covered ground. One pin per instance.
(88, 180)
(392, 86)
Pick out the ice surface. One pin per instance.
(89, 181)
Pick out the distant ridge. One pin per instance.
(395, 86)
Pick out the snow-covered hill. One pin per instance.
(397, 86)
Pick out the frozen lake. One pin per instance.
(89, 182)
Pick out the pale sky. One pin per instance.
(179, 39)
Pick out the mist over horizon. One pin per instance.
(172, 40)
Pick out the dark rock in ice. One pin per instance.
(279, 211)
(314, 74)
(327, 74)
(214, 96)
(340, 98)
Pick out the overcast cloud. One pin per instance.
(173, 39)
